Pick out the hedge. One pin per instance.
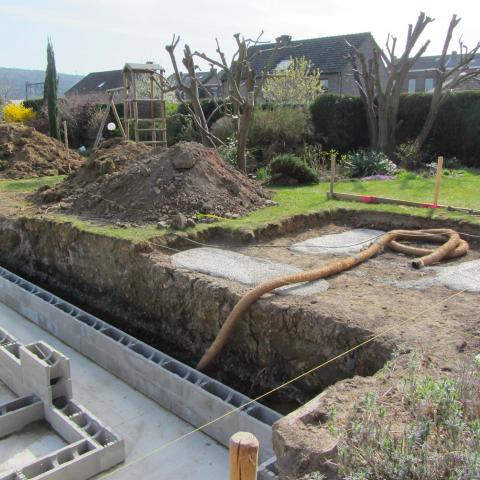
(340, 122)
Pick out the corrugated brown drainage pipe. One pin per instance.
(452, 246)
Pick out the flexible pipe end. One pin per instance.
(418, 263)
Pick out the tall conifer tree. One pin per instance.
(50, 92)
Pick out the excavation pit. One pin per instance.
(138, 290)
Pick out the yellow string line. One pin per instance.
(308, 372)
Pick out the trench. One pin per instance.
(135, 289)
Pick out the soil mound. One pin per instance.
(26, 153)
(131, 182)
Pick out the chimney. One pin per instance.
(284, 39)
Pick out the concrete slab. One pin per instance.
(243, 269)
(458, 277)
(142, 423)
(344, 243)
(34, 441)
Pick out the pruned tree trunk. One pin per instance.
(381, 96)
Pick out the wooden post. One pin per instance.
(65, 137)
(333, 165)
(438, 179)
(243, 456)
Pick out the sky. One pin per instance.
(95, 35)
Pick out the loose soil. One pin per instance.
(26, 153)
(131, 182)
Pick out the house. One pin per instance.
(209, 84)
(422, 77)
(96, 84)
(327, 54)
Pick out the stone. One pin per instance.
(190, 222)
(162, 224)
(179, 221)
(184, 161)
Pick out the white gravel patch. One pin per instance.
(462, 276)
(338, 243)
(244, 269)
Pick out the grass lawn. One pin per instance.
(462, 190)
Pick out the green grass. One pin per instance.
(29, 185)
(461, 191)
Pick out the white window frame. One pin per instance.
(429, 79)
(412, 85)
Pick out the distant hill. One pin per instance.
(12, 82)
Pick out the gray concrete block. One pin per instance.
(19, 413)
(244, 269)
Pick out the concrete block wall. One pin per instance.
(184, 391)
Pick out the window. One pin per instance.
(412, 85)
(428, 84)
(284, 64)
(324, 84)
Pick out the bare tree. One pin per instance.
(6, 88)
(190, 89)
(243, 83)
(380, 80)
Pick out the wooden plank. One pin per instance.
(117, 118)
(102, 126)
(243, 456)
(373, 199)
(438, 179)
(65, 136)
(333, 165)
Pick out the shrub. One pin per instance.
(224, 128)
(439, 434)
(408, 156)
(292, 169)
(17, 113)
(339, 122)
(36, 104)
(263, 174)
(363, 163)
(277, 131)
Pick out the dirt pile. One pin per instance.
(26, 153)
(131, 182)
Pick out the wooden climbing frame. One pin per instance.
(144, 112)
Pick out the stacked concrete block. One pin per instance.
(40, 375)
(45, 372)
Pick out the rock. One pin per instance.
(156, 190)
(162, 224)
(179, 221)
(190, 222)
(184, 161)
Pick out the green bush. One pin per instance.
(289, 168)
(277, 131)
(339, 122)
(363, 163)
(35, 104)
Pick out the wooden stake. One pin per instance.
(438, 179)
(333, 166)
(243, 456)
(65, 137)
